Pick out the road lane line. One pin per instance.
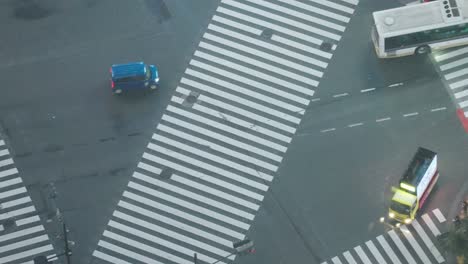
(328, 130)
(438, 109)
(340, 95)
(367, 90)
(410, 114)
(355, 124)
(383, 119)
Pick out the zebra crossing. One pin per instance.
(453, 64)
(22, 236)
(413, 243)
(204, 174)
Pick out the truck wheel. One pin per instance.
(421, 50)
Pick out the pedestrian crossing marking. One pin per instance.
(349, 258)
(415, 245)
(375, 252)
(430, 224)
(388, 250)
(336, 260)
(427, 241)
(439, 215)
(362, 255)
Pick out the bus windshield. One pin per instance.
(400, 208)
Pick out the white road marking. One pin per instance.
(23, 243)
(328, 130)
(382, 119)
(456, 74)
(438, 109)
(410, 114)
(2, 142)
(28, 220)
(453, 64)
(336, 6)
(8, 172)
(463, 104)
(458, 84)
(439, 215)
(21, 233)
(131, 254)
(6, 162)
(401, 247)
(340, 95)
(109, 258)
(305, 48)
(414, 244)
(362, 255)
(388, 250)
(4, 152)
(12, 192)
(10, 182)
(435, 231)
(370, 245)
(336, 260)
(238, 25)
(367, 90)
(355, 124)
(395, 84)
(315, 100)
(15, 202)
(427, 241)
(317, 10)
(451, 54)
(349, 258)
(26, 253)
(461, 94)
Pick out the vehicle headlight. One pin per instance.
(391, 215)
(156, 80)
(398, 225)
(407, 220)
(382, 219)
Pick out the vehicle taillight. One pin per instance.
(112, 84)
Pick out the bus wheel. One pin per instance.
(423, 50)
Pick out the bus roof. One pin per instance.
(430, 15)
(418, 168)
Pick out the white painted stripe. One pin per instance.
(414, 244)
(8, 172)
(163, 242)
(215, 192)
(265, 24)
(189, 205)
(461, 94)
(370, 245)
(362, 255)
(340, 95)
(17, 212)
(328, 130)
(4, 152)
(319, 11)
(109, 258)
(215, 169)
(204, 177)
(367, 90)
(315, 100)
(336, 6)
(401, 247)
(349, 258)
(149, 168)
(388, 250)
(305, 48)
(456, 74)
(6, 162)
(217, 147)
(353, 2)
(355, 124)
(245, 91)
(131, 254)
(463, 104)
(453, 64)
(28, 220)
(383, 119)
(439, 215)
(26, 253)
(297, 14)
(192, 195)
(259, 74)
(248, 81)
(336, 260)
(10, 182)
(395, 84)
(2, 142)
(438, 109)
(266, 66)
(21, 233)
(427, 241)
(238, 25)
(272, 47)
(222, 138)
(241, 100)
(215, 158)
(12, 192)
(16, 202)
(458, 84)
(411, 114)
(169, 221)
(282, 19)
(226, 128)
(435, 231)
(232, 119)
(23, 243)
(451, 54)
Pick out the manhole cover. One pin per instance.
(166, 173)
(267, 33)
(326, 46)
(191, 99)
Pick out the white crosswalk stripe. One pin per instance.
(408, 244)
(223, 136)
(22, 236)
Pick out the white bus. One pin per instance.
(420, 28)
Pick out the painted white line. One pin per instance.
(193, 196)
(395, 84)
(451, 54)
(414, 244)
(355, 124)
(275, 27)
(215, 169)
(133, 255)
(16, 202)
(189, 205)
(241, 100)
(349, 258)
(8, 172)
(410, 114)
(17, 212)
(26, 253)
(240, 26)
(2, 142)
(12, 192)
(370, 245)
(305, 48)
(367, 90)
(454, 64)
(328, 130)
(229, 129)
(23, 243)
(458, 84)
(21, 233)
(315, 100)
(317, 10)
(456, 74)
(353, 2)
(204, 177)
(427, 241)
(461, 94)
(382, 119)
(401, 247)
(232, 153)
(463, 104)
(388, 250)
(212, 157)
(174, 212)
(6, 162)
(283, 19)
(149, 168)
(329, 4)
(340, 95)
(336, 260)
(248, 81)
(109, 258)
(28, 220)
(439, 215)
(438, 109)
(435, 231)
(362, 255)
(4, 152)
(10, 182)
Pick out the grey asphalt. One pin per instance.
(62, 122)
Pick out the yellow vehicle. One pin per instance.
(414, 187)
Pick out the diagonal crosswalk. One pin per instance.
(22, 236)
(204, 174)
(413, 243)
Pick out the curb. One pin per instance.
(463, 119)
